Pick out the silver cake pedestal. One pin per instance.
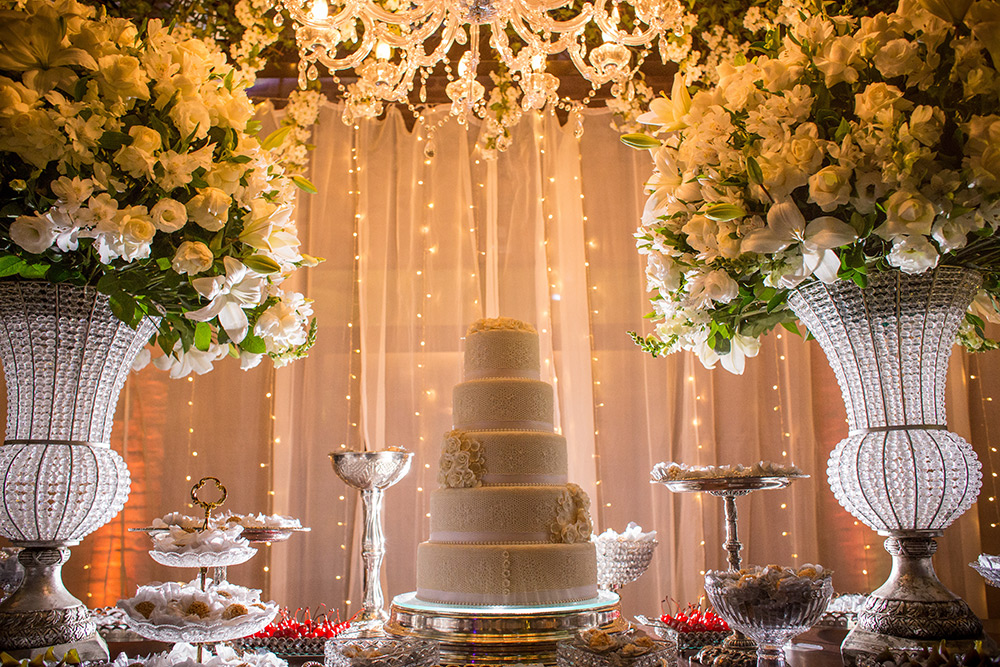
(501, 635)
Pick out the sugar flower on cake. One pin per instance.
(462, 463)
(131, 162)
(572, 521)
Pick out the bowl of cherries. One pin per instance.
(691, 627)
(297, 635)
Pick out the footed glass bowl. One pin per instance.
(769, 616)
(381, 652)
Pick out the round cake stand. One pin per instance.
(501, 635)
(737, 650)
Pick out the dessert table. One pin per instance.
(820, 647)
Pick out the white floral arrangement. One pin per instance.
(572, 521)
(848, 147)
(129, 161)
(462, 465)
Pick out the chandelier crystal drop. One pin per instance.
(393, 47)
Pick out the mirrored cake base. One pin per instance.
(474, 635)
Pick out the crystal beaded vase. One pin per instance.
(900, 471)
(65, 358)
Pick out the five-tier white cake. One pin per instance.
(506, 527)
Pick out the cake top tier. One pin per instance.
(499, 324)
(501, 348)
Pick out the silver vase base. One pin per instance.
(91, 648)
(862, 647)
(471, 635)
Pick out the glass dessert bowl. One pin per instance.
(770, 604)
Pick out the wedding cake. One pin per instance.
(506, 527)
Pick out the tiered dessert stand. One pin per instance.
(737, 650)
(180, 629)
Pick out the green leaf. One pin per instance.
(276, 138)
(123, 307)
(34, 271)
(10, 265)
(112, 141)
(639, 140)
(779, 298)
(202, 336)
(253, 344)
(304, 184)
(754, 172)
(793, 327)
(724, 212)
(262, 264)
(163, 263)
(253, 126)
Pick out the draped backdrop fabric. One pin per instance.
(416, 249)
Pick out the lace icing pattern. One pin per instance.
(488, 574)
(502, 354)
(462, 464)
(503, 401)
(572, 522)
(507, 515)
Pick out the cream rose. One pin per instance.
(209, 208)
(926, 123)
(191, 116)
(122, 77)
(907, 213)
(169, 215)
(715, 286)
(145, 139)
(192, 257)
(830, 187)
(35, 233)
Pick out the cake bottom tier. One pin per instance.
(506, 574)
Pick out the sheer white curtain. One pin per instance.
(418, 248)
(415, 250)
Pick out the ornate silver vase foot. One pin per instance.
(371, 473)
(912, 610)
(42, 613)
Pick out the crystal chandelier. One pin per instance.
(393, 47)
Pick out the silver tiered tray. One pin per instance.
(501, 635)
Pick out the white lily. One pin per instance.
(786, 226)
(741, 347)
(240, 288)
(669, 112)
